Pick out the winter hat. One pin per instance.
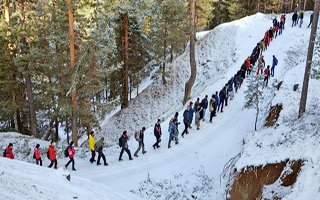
(91, 132)
(10, 145)
(71, 143)
(124, 132)
(159, 120)
(38, 145)
(206, 96)
(143, 128)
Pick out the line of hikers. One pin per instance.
(196, 110)
(298, 16)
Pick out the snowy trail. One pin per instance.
(212, 146)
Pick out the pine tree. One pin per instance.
(253, 95)
(220, 13)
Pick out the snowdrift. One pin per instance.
(20, 180)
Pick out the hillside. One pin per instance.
(207, 162)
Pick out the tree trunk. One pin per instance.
(125, 102)
(304, 93)
(72, 65)
(192, 28)
(305, 5)
(13, 91)
(27, 77)
(164, 53)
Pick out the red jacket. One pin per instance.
(9, 153)
(71, 152)
(267, 72)
(248, 64)
(52, 153)
(37, 153)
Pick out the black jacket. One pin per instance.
(157, 130)
(124, 141)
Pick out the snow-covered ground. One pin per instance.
(193, 167)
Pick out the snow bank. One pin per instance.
(20, 180)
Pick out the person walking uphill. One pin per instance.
(99, 147)
(123, 143)
(157, 133)
(266, 75)
(301, 18)
(173, 130)
(274, 63)
(311, 19)
(199, 116)
(212, 107)
(186, 121)
(8, 153)
(52, 155)
(222, 97)
(191, 113)
(204, 103)
(37, 155)
(91, 146)
(139, 136)
(71, 153)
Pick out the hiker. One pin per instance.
(266, 75)
(294, 19)
(274, 21)
(261, 65)
(157, 133)
(248, 65)
(301, 18)
(191, 113)
(271, 33)
(8, 153)
(222, 96)
(230, 88)
(227, 94)
(217, 102)
(99, 148)
(173, 131)
(91, 146)
(235, 82)
(204, 103)
(196, 104)
(52, 155)
(281, 27)
(37, 154)
(212, 107)
(139, 136)
(276, 29)
(283, 19)
(71, 154)
(186, 121)
(199, 115)
(311, 19)
(123, 143)
(274, 63)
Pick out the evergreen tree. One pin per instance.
(253, 95)
(220, 13)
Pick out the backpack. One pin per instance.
(34, 155)
(48, 155)
(198, 115)
(120, 142)
(4, 153)
(276, 62)
(137, 135)
(170, 125)
(66, 153)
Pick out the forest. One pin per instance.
(67, 63)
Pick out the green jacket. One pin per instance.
(99, 144)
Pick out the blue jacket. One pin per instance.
(191, 112)
(274, 61)
(204, 103)
(217, 100)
